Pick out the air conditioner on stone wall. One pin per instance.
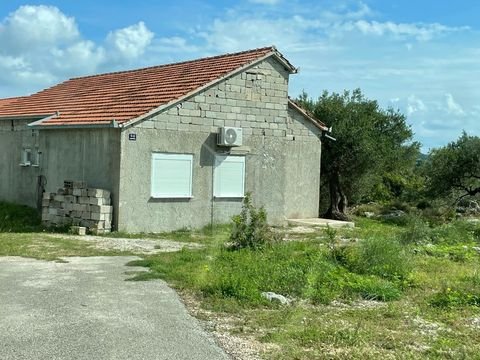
(229, 136)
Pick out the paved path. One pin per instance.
(84, 309)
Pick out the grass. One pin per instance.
(205, 235)
(21, 234)
(46, 247)
(426, 290)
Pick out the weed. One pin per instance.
(379, 256)
(250, 228)
(448, 298)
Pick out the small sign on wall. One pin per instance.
(132, 137)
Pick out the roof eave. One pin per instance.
(315, 121)
(26, 117)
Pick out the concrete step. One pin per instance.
(320, 222)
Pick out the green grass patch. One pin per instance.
(205, 235)
(48, 247)
(410, 318)
(18, 218)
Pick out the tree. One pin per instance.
(454, 169)
(369, 142)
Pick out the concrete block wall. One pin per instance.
(255, 100)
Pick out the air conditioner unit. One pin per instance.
(229, 136)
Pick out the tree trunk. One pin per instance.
(338, 200)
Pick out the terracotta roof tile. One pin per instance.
(122, 96)
(7, 101)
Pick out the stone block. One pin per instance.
(78, 230)
(98, 193)
(84, 200)
(52, 211)
(45, 202)
(100, 216)
(79, 185)
(46, 196)
(103, 209)
(160, 125)
(60, 198)
(87, 223)
(69, 198)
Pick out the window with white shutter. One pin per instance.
(229, 176)
(171, 175)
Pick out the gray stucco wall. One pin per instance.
(282, 165)
(17, 183)
(91, 155)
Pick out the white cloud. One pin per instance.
(130, 42)
(452, 106)
(420, 32)
(414, 104)
(41, 46)
(33, 27)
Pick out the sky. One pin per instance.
(421, 57)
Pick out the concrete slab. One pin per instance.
(321, 222)
(85, 310)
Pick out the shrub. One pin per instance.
(386, 258)
(250, 228)
(18, 218)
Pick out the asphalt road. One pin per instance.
(84, 309)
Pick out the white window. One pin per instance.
(26, 157)
(229, 176)
(35, 158)
(171, 175)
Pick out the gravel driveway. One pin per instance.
(84, 309)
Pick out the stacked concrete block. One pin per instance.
(78, 205)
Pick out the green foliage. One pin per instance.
(454, 170)
(250, 228)
(449, 298)
(18, 218)
(372, 145)
(380, 256)
(334, 282)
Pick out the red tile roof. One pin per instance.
(126, 95)
(7, 101)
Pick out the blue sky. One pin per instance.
(422, 57)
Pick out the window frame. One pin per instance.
(228, 158)
(170, 156)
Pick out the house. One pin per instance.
(177, 145)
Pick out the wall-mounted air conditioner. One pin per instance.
(230, 136)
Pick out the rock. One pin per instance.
(393, 214)
(271, 296)
(476, 248)
(369, 214)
